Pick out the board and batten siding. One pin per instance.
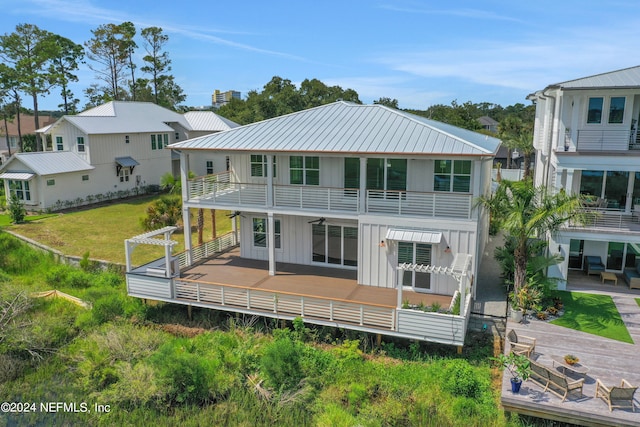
(377, 265)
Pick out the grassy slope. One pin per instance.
(594, 314)
(102, 231)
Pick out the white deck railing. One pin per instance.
(290, 304)
(207, 249)
(421, 204)
(609, 220)
(216, 189)
(603, 140)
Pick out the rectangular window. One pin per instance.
(124, 175)
(153, 142)
(452, 176)
(415, 253)
(594, 114)
(591, 183)
(166, 139)
(177, 136)
(260, 238)
(209, 167)
(80, 140)
(126, 139)
(258, 164)
(304, 170)
(616, 109)
(51, 182)
(387, 174)
(59, 144)
(85, 177)
(20, 189)
(352, 173)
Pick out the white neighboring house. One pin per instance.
(112, 150)
(365, 190)
(587, 142)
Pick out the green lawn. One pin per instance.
(638, 301)
(102, 231)
(5, 219)
(594, 314)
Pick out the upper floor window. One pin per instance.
(594, 115)
(259, 165)
(85, 177)
(177, 136)
(59, 144)
(81, 144)
(209, 167)
(452, 175)
(51, 182)
(126, 139)
(387, 174)
(260, 233)
(20, 189)
(157, 141)
(351, 172)
(616, 109)
(304, 170)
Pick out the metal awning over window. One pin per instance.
(125, 162)
(17, 176)
(433, 237)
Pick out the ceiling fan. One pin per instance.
(235, 214)
(318, 221)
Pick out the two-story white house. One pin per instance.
(344, 214)
(587, 142)
(115, 148)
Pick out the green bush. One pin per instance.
(280, 363)
(460, 379)
(64, 276)
(17, 212)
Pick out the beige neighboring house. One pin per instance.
(113, 150)
(9, 137)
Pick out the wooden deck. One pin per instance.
(607, 360)
(312, 281)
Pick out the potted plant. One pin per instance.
(518, 366)
(570, 359)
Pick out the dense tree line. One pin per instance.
(35, 61)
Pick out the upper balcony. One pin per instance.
(218, 190)
(602, 140)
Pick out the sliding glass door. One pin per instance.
(335, 244)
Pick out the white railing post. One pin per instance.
(198, 292)
(361, 314)
(331, 311)
(248, 298)
(222, 296)
(302, 306)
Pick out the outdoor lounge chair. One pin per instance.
(593, 264)
(617, 397)
(521, 344)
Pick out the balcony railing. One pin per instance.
(607, 220)
(603, 140)
(217, 189)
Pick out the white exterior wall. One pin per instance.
(70, 134)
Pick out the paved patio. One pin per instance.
(607, 360)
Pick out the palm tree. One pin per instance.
(168, 181)
(525, 212)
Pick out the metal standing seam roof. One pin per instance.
(627, 77)
(415, 236)
(49, 162)
(208, 121)
(19, 176)
(126, 162)
(344, 127)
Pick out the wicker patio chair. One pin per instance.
(521, 344)
(617, 396)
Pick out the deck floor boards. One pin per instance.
(607, 360)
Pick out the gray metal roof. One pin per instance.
(416, 236)
(344, 127)
(627, 77)
(18, 176)
(127, 161)
(47, 162)
(208, 121)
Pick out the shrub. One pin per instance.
(281, 363)
(165, 211)
(17, 212)
(460, 379)
(108, 308)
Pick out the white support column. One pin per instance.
(234, 229)
(271, 243)
(363, 185)
(269, 180)
(629, 204)
(127, 254)
(569, 183)
(186, 220)
(398, 279)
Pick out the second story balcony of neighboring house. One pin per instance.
(223, 191)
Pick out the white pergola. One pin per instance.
(148, 239)
(458, 270)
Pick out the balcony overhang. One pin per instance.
(414, 236)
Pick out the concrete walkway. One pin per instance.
(491, 295)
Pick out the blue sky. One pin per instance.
(419, 52)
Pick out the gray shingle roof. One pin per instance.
(48, 162)
(343, 127)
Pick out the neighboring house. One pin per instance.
(9, 137)
(586, 142)
(115, 149)
(356, 194)
(488, 124)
